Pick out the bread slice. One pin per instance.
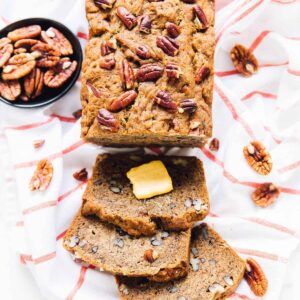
(111, 249)
(109, 195)
(215, 272)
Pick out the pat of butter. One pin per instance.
(150, 179)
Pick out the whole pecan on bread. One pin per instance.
(128, 19)
(107, 120)
(127, 74)
(168, 45)
(122, 101)
(164, 100)
(149, 72)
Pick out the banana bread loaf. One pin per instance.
(147, 78)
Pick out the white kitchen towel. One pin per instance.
(265, 107)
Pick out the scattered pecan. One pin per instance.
(77, 114)
(189, 1)
(163, 99)
(187, 105)
(202, 74)
(106, 119)
(168, 45)
(149, 72)
(107, 62)
(214, 144)
(173, 70)
(6, 50)
(38, 143)
(25, 33)
(127, 74)
(81, 175)
(105, 4)
(145, 24)
(173, 30)
(258, 158)
(108, 47)
(34, 83)
(143, 52)
(244, 61)
(266, 194)
(256, 278)
(18, 66)
(25, 43)
(46, 55)
(122, 101)
(42, 176)
(128, 19)
(95, 91)
(10, 90)
(200, 20)
(150, 255)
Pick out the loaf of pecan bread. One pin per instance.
(109, 194)
(160, 258)
(148, 72)
(215, 272)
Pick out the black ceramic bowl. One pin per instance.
(49, 95)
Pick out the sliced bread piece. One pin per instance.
(215, 272)
(109, 195)
(160, 258)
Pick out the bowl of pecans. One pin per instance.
(40, 60)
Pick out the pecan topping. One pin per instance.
(145, 24)
(108, 47)
(96, 92)
(163, 99)
(34, 83)
(6, 50)
(105, 4)
(256, 278)
(200, 20)
(77, 114)
(10, 90)
(214, 144)
(81, 175)
(122, 101)
(202, 74)
(173, 30)
(143, 52)
(150, 255)
(149, 72)
(188, 105)
(42, 176)
(266, 194)
(108, 62)
(25, 33)
(173, 70)
(258, 158)
(127, 74)
(168, 45)
(106, 119)
(128, 19)
(244, 61)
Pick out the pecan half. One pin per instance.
(81, 175)
(27, 32)
(122, 101)
(214, 144)
(92, 89)
(56, 39)
(105, 4)
(10, 90)
(6, 50)
(168, 45)
(244, 61)
(42, 176)
(173, 70)
(106, 119)
(18, 66)
(77, 114)
(46, 55)
(143, 52)
(188, 105)
(34, 83)
(202, 74)
(128, 19)
(25, 43)
(256, 278)
(266, 194)
(145, 24)
(173, 30)
(107, 62)
(164, 100)
(108, 47)
(258, 158)
(150, 255)
(127, 74)
(149, 72)
(200, 20)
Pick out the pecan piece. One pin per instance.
(164, 100)
(6, 50)
(214, 144)
(145, 24)
(34, 83)
(128, 19)
(188, 105)
(189, 1)
(10, 90)
(173, 70)
(256, 277)
(107, 62)
(18, 66)
(108, 47)
(202, 74)
(151, 255)
(42, 176)
(244, 61)
(173, 30)
(58, 75)
(38, 143)
(25, 43)
(27, 32)
(77, 114)
(106, 119)
(143, 52)
(56, 39)
(149, 72)
(127, 74)
(266, 194)
(200, 20)
(122, 101)
(46, 55)
(105, 4)
(81, 175)
(92, 89)
(168, 45)
(258, 158)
